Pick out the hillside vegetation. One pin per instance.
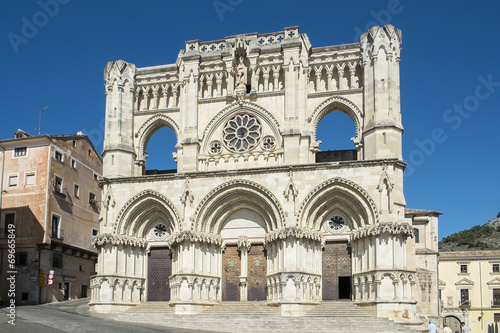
(485, 237)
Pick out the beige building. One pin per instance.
(469, 284)
(50, 202)
(255, 211)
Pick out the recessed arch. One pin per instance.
(232, 196)
(338, 193)
(150, 127)
(143, 210)
(337, 103)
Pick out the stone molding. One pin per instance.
(192, 236)
(295, 232)
(392, 228)
(101, 240)
(251, 171)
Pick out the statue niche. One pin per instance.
(241, 78)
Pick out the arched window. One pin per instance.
(417, 235)
(159, 152)
(335, 132)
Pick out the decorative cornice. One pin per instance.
(101, 240)
(392, 228)
(295, 232)
(269, 170)
(195, 237)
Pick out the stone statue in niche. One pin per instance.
(241, 74)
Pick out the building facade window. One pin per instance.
(496, 297)
(13, 180)
(464, 269)
(29, 179)
(496, 317)
(92, 199)
(417, 235)
(57, 260)
(76, 191)
(73, 164)
(95, 232)
(21, 259)
(464, 298)
(56, 226)
(58, 185)
(18, 152)
(7, 220)
(59, 156)
(495, 268)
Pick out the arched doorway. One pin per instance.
(159, 271)
(453, 323)
(244, 261)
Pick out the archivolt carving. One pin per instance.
(149, 127)
(136, 200)
(338, 103)
(246, 106)
(343, 186)
(205, 211)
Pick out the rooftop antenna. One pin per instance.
(39, 128)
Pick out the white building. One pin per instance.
(255, 211)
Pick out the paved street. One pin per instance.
(74, 317)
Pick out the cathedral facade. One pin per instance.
(255, 211)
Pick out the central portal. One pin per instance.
(159, 271)
(336, 271)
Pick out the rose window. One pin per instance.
(160, 230)
(242, 133)
(336, 223)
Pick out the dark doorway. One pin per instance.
(344, 287)
(159, 271)
(336, 264)
(231, 270)
(257, 270)
(67, 291)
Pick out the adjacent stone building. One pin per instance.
(469, 284)
(255, 210)
(50, 202)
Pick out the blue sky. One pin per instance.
(450, 78)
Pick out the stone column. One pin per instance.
(243, 246)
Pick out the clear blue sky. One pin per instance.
(450, 49)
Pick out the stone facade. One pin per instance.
(47, 182)
(252, 213)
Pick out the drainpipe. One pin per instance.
(1, 176)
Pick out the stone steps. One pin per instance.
(258, 317)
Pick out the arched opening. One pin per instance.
(335, 131)
(453, 323)
(159, 152)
